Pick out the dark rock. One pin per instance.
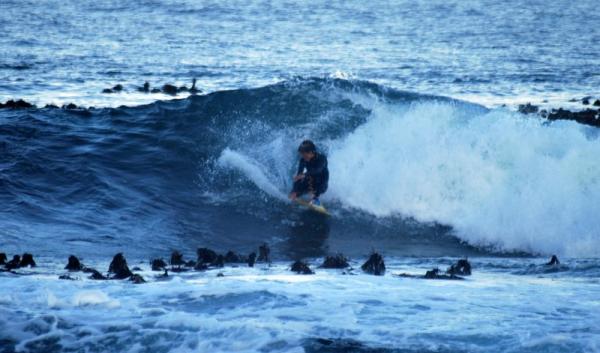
(158, 264)
(67, 277)
(177, 259)
(95, 274)
(220, 274)
(183, 89)
(20, 104)
(74, 264)
(70, 106)
(169, 89)
(462, 268)
(206, 256)
(190, 263)
(435, 274)
(219, 261)
(301, 268)
(164, 275)
(107, 91)
(155, 90)
(136, 269)
(374, 265)
(336, 261)
(51, 106)
(233, 258)
(553, 261)
(194, 90)
(119, 267)
(263, 253)
(145, 88)
(588, 116)
(137, 279)
(27, 260)
(528, 108)
(596, 103)
(251, 259)
(118, 88)
(586, 100)
(3, 258)
(14, 263)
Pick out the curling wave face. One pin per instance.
(214, 170)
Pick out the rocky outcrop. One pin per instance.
(118, 267)
(302, 268)
(18, 104)
(206, 256)
(14, 263)
(374, 265)
(158, 265)
(461, 268)
(553, 261)
(3, 258)
(437, 274)
(251, 259)
(335, 261)
(74, 264)
(264, 253)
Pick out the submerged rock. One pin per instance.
(374, 265)
(67, 277)
(302, 268)
(435, 274)
(335, 261)
(553, 261)
(119, 267)
(528, 108)
(137, 279)
(95, 274)
(3, 258)
(74, 264)
(155, 90)
(596, 103)
(462, 268)
(158, 264)
(264, 253)
(251, 259)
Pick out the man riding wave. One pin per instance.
(312, 176)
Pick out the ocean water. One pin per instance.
(414, 104)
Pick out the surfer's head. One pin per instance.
(307, 150)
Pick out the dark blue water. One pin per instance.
(487, 51)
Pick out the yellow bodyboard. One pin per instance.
(312, 207)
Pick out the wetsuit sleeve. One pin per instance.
(300, 167)
(318, 167)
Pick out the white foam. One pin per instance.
(93, 297)
(498, 178)
(251, 169)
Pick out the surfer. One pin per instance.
(312, 176)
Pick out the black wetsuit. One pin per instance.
(316, 176)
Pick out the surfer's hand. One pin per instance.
(298, 177)
(293, 196)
